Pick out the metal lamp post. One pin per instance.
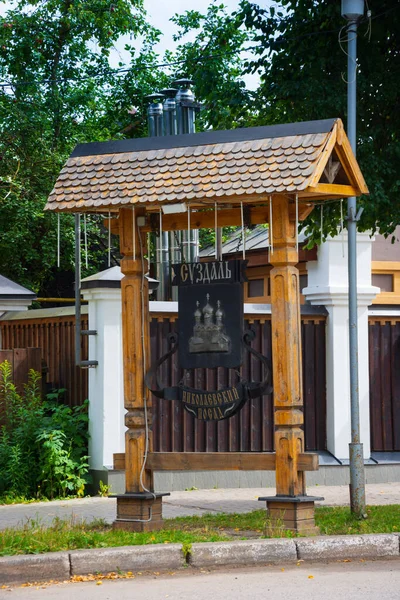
(352, 11)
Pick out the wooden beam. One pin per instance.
(222, 461)
(324, 157)
(334, 189)
(346, 156)
(227, 217)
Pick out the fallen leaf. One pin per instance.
(282, 569)
(99, 583)
(311, 577)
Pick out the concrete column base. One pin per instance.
(292, 513)
(139, 512)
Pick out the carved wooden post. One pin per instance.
(290, 505)
(137, 509)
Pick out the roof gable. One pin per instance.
(243, 165)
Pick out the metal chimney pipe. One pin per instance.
(155, 115)
(186, 105)
(169, 110)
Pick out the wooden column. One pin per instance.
(286, 352)
(137, 509)
(290, 506)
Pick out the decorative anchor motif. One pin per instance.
(209, 334)
(213, 405)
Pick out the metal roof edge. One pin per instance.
(28, 296)
(204, 138)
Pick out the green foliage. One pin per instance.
(104, 489)
(43, 443)
(187, 549)
(213, 60)
(303, 71)
(57, 89)
(293, 48)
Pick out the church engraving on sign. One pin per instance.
(208, 331)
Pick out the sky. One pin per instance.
(159, 15)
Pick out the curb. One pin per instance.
(16, 570)
(242, 552)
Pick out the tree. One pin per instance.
(57, 89)
(303, 77)
(213, 60)
(302, 68)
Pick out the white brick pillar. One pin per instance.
(106, 407)
(328, 286)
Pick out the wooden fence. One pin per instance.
(252, 429)
(384, 374)
(175, 430)
(55, 336)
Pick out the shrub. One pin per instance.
(43, 443)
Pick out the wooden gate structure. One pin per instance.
(277, 173)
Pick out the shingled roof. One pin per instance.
(312, 159)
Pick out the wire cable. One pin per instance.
(58, 239)
(144, 391)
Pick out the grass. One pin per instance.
(12, 499)
(36, 538)
(339, 520)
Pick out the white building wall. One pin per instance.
(106, 399)
(328, 286)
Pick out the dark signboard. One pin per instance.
(224, 271)
(210, 334)
(210, 313)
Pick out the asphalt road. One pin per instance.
(356, 580)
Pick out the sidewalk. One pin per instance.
(179, 504)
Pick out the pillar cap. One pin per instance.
(109, 278)
(297, 499)
(140, 495)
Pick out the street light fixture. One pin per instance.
(353, 11)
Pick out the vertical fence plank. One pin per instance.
(386, 388)
(320, 386)
(309, 399)
(395, 372)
